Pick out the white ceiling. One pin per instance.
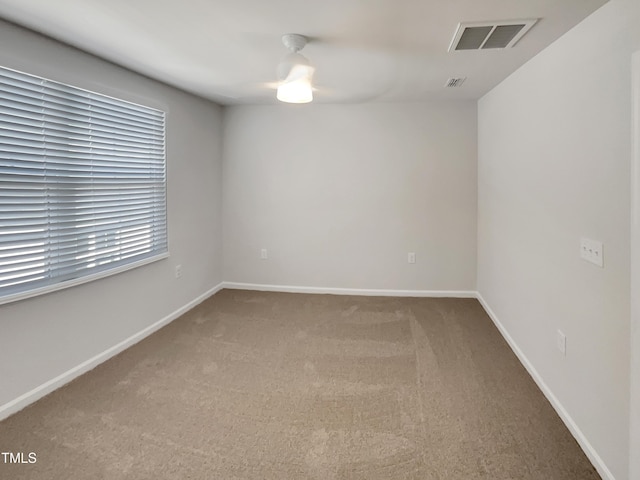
(228, 50)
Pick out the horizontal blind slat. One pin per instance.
(24, 99)
(26, 279)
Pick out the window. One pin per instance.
(82, 185)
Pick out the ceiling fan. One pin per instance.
(295, 72)
(296, 76)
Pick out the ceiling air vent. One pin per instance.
(484, 35)
(455, 82)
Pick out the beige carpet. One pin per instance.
(256, 385)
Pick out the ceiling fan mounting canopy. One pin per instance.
(294, 41)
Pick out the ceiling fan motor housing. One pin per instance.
(288, 62)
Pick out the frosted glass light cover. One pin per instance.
(297, 91)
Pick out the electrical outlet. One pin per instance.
(263, 254)
(592, 251)
(178, 271)
(561, 340)
(411, 257)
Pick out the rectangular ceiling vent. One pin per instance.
(484, 35)
(455, 82)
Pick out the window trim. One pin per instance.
(35, 292)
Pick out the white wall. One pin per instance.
(554, 165)
(339, 194)
(43, 337)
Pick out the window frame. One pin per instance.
(87, 276)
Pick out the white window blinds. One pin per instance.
(82, 185)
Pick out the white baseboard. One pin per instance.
(350, 291)
(37, 393)
(586, 446)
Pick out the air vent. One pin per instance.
(485, 35)
(455, 82)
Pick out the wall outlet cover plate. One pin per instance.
(592, 251)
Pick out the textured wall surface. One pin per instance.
(554, 158)
(339, 194)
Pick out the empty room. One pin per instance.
(358, 239)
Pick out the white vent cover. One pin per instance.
(484, 35)
(455, 82)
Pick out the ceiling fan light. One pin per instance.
(297, 91)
